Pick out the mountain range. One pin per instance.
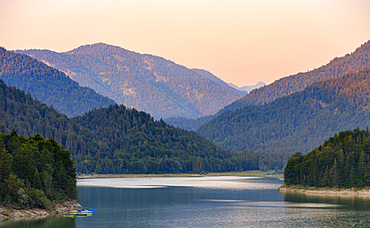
(48, 85)
(145, 82)
(358, 60)
(298, 122)
(117, 139)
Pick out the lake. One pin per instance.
(228, 201)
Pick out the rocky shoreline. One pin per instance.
(61, 208)
(329, 192)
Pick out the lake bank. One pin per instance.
(60, 208)
(256, 173)
(365, 193)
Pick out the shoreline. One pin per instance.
(352, 192)
(256, 173)
(15, 214)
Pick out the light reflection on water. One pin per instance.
(221, 182)
(212, 202)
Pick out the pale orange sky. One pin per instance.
(240, 41)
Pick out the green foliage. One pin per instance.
(116, 139)
(48, 85)
(341, 161)
(298, 122)
(22, 185)
(146, 82)
(358, 60)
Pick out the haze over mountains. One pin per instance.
(248, 88)
(146, 82)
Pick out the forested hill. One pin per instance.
(48, 85)
(145, 82)
(358, 60)
(341, 161)
(298, 122)
(118, 139)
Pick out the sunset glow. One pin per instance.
(241, 42)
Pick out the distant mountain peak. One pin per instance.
(147, 82)
(248, 88)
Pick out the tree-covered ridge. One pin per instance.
(48, 85)
(145, 82)
(298, 122)
(341, 161)
(358, 60)
(34, 172)
(118, 139)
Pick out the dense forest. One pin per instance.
(146, 82)
(298, 122)
(34, 172)
(118, 139)
(341, 161)
(358, 60)
(48, 85)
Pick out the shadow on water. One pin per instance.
(49, 222)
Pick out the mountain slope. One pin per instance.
(146, 82)
(297, 122)
(48, 85)
(117, 139)
(358, 60)
(248, 88)
(212, 77)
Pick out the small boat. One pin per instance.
(87, 211)
(73, 214)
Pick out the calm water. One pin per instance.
(205, 202)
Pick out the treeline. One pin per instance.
(358, 60)
(341, 161)
(298, 122)
(118, 139)
(34, 172)
(48, 85)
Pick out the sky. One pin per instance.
(239, 41)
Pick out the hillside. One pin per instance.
(298, 122)
(341, 161)
(358, 60)
(118, 139)
(145, 82)
(48, 85)
(212, 77)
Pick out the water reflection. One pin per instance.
(50, 222)
(350, 202)
(183, 202)
(326, 211)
